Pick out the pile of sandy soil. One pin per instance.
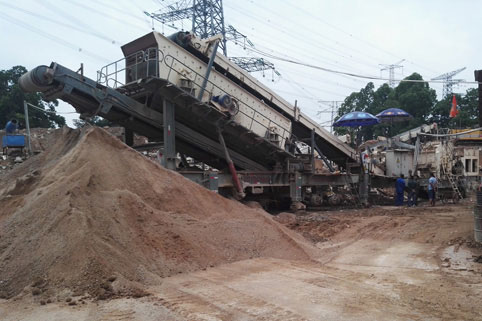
(41, 138)
(93, 216)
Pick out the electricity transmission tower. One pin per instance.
(334, 105)
(207, 17)
(449, 82)
(251, 64)
(391, 71)
(208, 20)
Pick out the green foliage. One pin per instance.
(95, 121)
(11, 102)
(371, 101)
(468, 116)
(416, 98)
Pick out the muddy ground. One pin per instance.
(382, 263)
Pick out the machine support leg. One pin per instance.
(169, 157)
(232, 169)
(363, 182)
(296, 183)
(129, 137)
(312, 141)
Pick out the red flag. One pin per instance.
(454, 111)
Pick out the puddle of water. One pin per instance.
(458, 258)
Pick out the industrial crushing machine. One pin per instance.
(179, 91)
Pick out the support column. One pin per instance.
(168, 122)
(313, 144)
(363, 182)
(296, 183)
(129, 137)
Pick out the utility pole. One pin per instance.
(391, 71)
(449, 82)
(27, 127)
(334, 105)
(478, 77)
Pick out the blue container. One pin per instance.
(13, 141)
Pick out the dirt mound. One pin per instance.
(92, 215)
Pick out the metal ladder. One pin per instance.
(446, 171)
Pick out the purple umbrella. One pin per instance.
(356, 119)
(393, 115)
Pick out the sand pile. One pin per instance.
(92, 215)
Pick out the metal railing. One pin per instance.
(146, 63)
(141, 64)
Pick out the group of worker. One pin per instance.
(412, 187)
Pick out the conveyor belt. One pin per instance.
(195, 132)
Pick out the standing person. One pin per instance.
(11, 127)
(399, 188)
(432, 188)
(412, 190)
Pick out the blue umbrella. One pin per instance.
(393, 115)
(356, 119)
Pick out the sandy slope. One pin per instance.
(90, 209)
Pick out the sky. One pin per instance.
(432, 37)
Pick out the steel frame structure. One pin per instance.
(207, 21)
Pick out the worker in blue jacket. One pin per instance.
(11, 127)
(400, 189)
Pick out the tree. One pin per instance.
(12, 98)
(469, 109)
(357, 101)
(440, 113)
(382, 99)
(95, 121)
(368, 100)
(468, 115)
(416, 98)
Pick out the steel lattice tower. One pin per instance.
(208, 20)
(391, 72)
(207, 17)
(449, 82)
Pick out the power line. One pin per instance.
(70, 18)
(104, 14)
(348, 73)
(47, 18)
(50, 36)
(342, 52)
(315, 57)
(334, 109)
(391, 71)
(286, 31)
(51, 111)
(449, 82)
(319, 19)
